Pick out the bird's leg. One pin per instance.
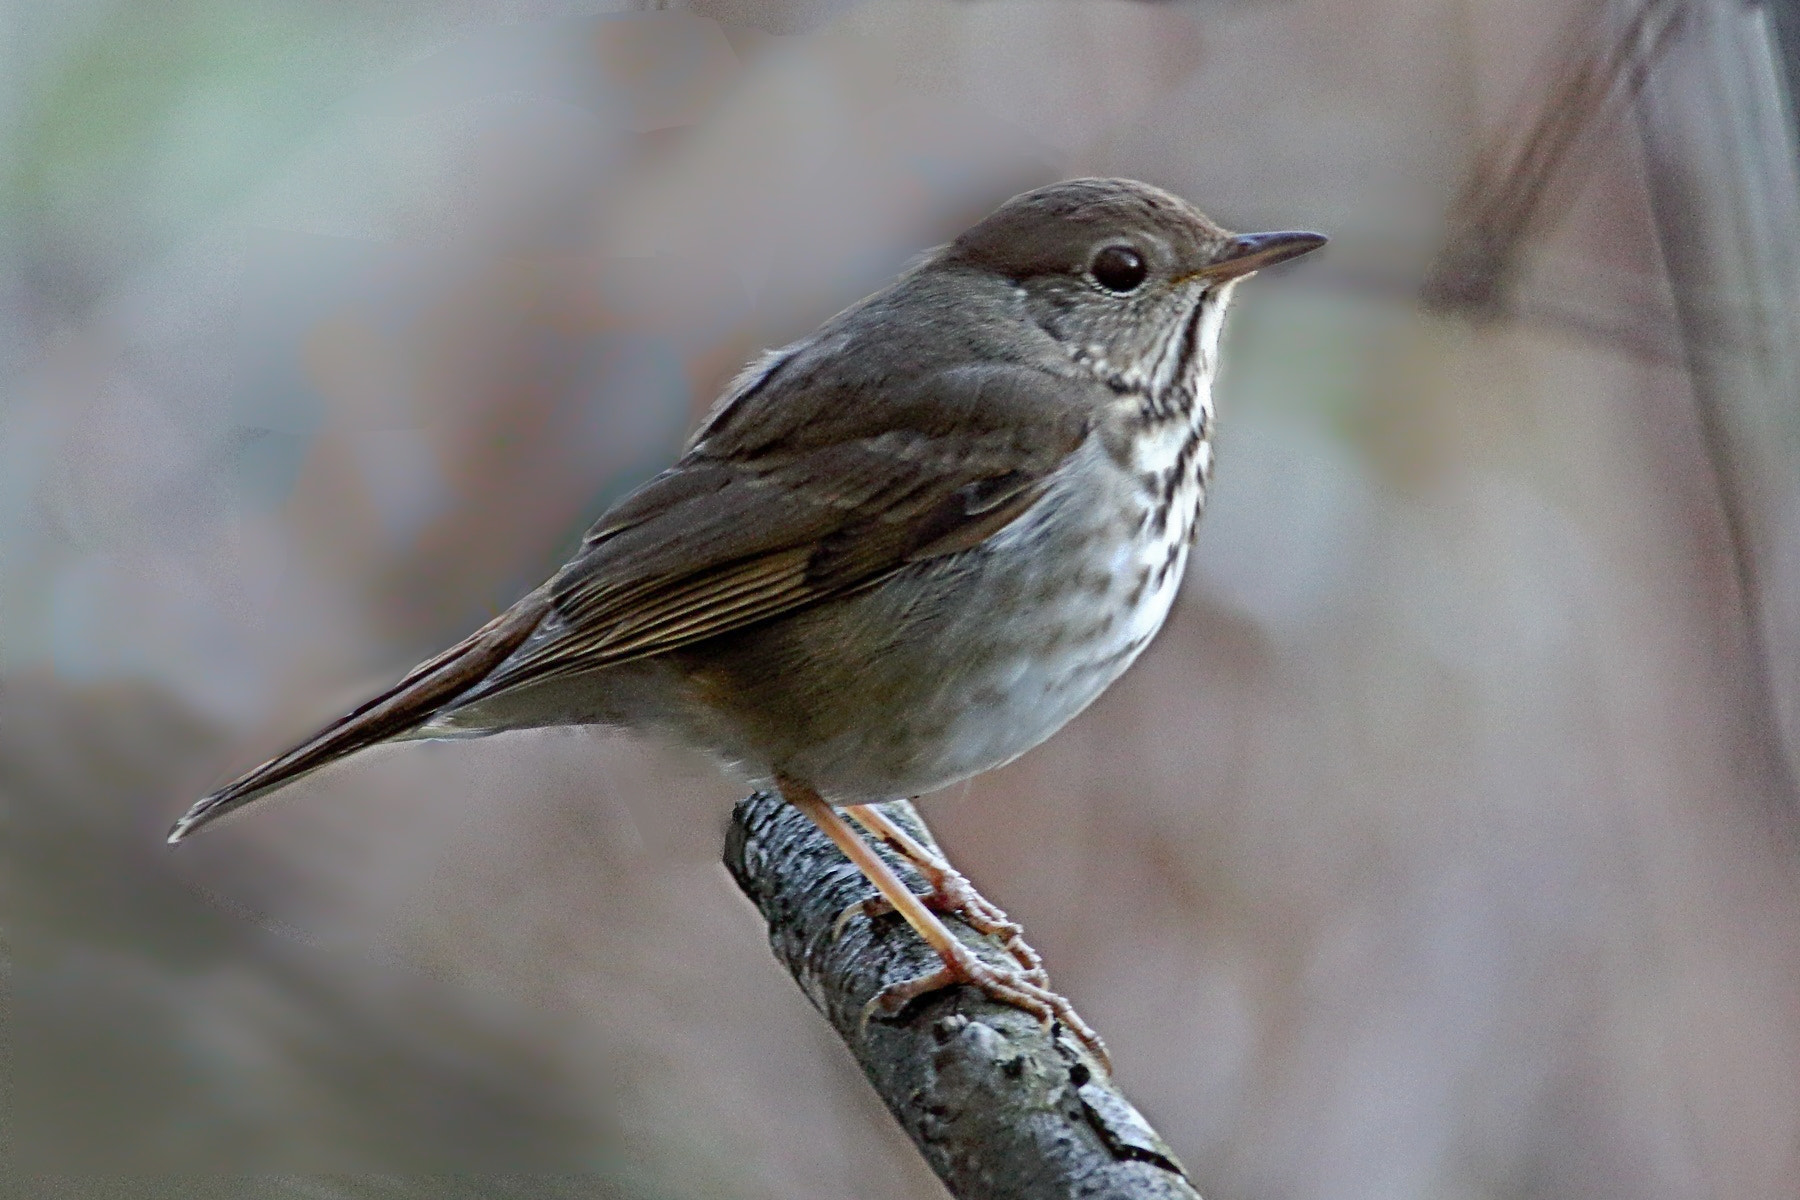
(961, 964)
(951, 891)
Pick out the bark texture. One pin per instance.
(1001, 1108)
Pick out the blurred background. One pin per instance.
(1445, 844)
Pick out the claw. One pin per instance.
(1025, 988)
(1015, 988)
(871, 908)
(950, 892)
(955, 895)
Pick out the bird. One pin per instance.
(897, 553)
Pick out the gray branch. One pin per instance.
(1001, 1108)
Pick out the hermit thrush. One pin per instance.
(899, 552)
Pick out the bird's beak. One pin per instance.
(1249, 252)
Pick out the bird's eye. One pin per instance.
(1118, 269)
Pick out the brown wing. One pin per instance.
(741, 531)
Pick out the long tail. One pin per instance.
(403, 707)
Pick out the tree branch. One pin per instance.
(1002, 1108)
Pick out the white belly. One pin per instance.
(1068, 599)
(1027, 695)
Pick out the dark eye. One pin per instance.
(1118, 269)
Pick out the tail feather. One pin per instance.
(426, 689)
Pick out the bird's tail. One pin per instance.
(397, 711)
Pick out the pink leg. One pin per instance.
(951, 892)
(961, 965)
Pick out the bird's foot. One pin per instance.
(950, 892)
(953, 894)
(1023, 986)
(1020, 989)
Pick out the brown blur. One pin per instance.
(1443, 845)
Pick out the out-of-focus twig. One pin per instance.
(1721, 151)
(1602, 58)
(1720, 148)
(1001, 1108)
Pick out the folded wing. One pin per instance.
(750, 524)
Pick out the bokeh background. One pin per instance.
(1445, 844)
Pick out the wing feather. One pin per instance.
(731, 536)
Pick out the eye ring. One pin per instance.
(1119, 269)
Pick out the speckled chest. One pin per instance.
(1164, 462)
(1086, 594)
